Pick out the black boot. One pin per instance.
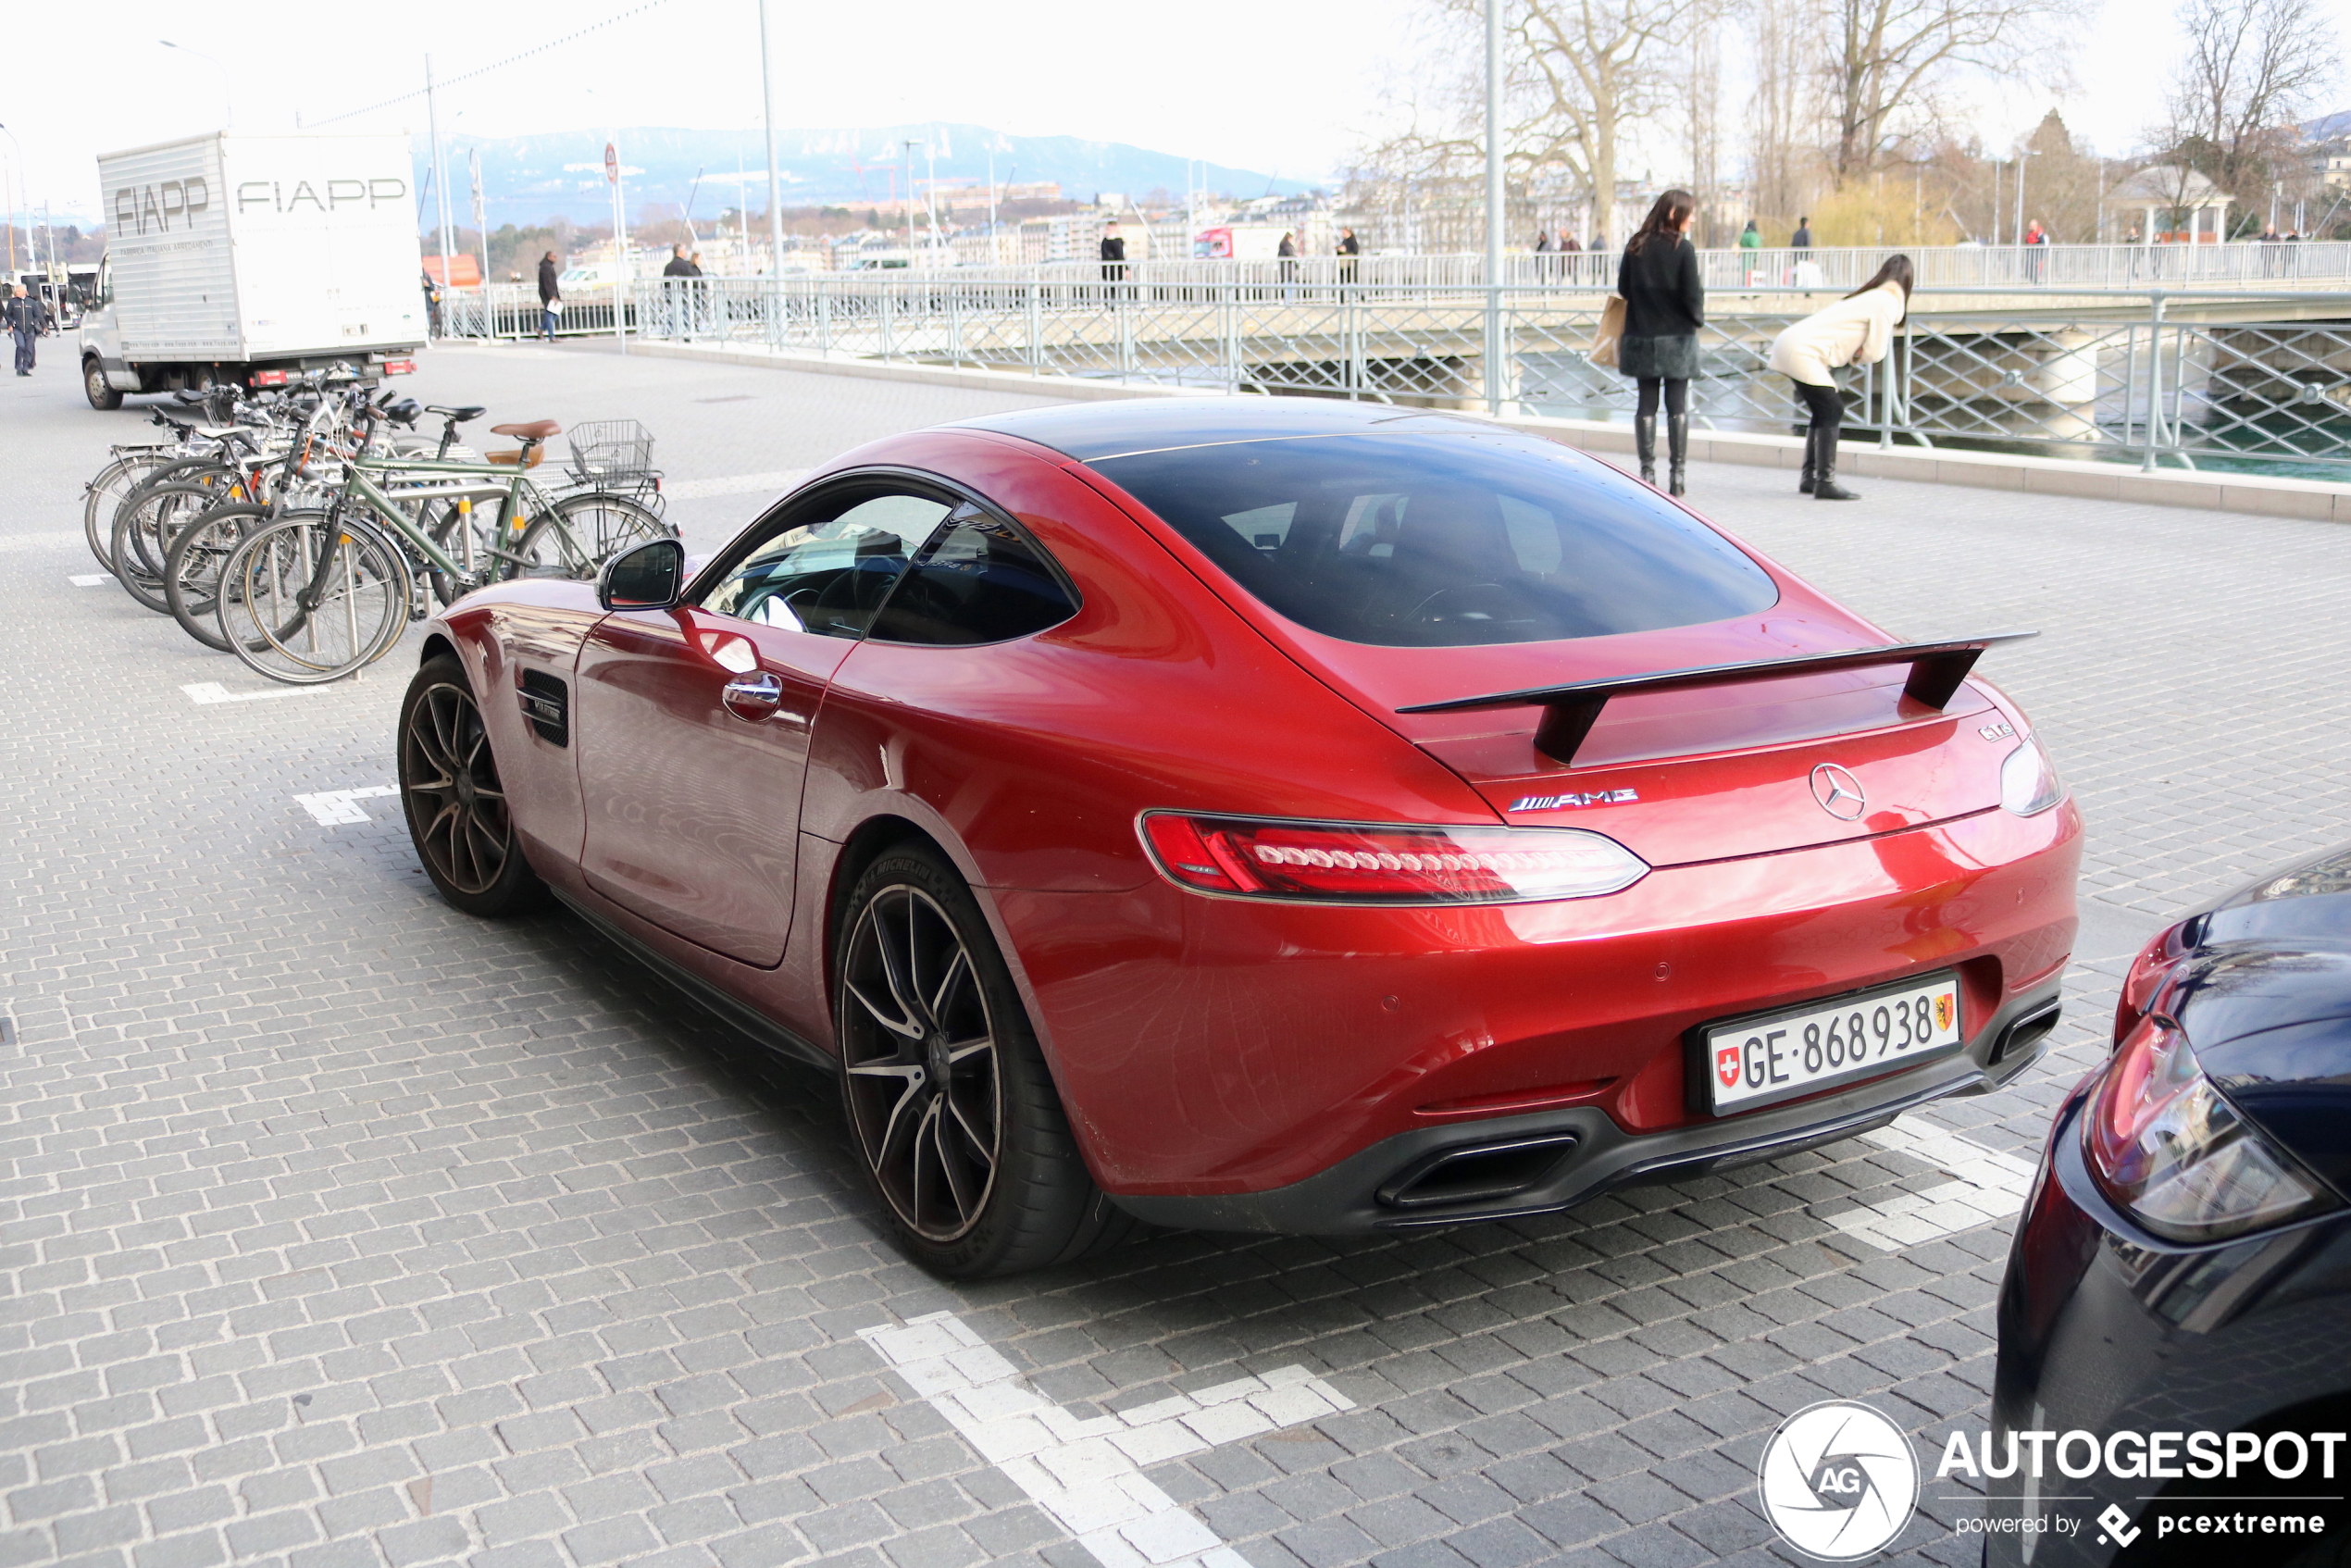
(1811, 461)
(1677, 452)
(1825, 485)
(1645, 444)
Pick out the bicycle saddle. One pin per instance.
(458, 416)
(536, 430)
(402, 412)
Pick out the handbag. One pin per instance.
(1609, 331)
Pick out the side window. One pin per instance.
(828, 568)
(979, 581)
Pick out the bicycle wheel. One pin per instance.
(104, 494)
(576, 536)
(191, 572)
(309, 599)
(143, 528)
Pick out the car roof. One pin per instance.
(1088, 431)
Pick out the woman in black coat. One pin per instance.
(1665, 308)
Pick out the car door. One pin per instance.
(693, 722)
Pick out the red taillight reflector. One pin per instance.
(400, 366)
(267, 378)
(1371, 862)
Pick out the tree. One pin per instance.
(1887, 62)
(1577, 75)
(2251, 68)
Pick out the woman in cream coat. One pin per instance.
(1857, 330)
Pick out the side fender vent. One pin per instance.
(546, 703)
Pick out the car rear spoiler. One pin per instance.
(1569, 712)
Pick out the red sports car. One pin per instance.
(1264, 815)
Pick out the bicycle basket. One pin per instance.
(605, 450)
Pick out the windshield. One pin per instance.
(1444, 541)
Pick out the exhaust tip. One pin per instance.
(1479, 1172)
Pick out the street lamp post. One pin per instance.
(775, 187)
(1494, 211)
(9, 220)
(228, 104)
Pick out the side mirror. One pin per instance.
(645, 577)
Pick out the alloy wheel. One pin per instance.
(918, 1048)
(456, 796)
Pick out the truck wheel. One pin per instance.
(93, 386)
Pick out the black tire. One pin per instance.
(191, 571)
(146, 524)
(447, 773)
(103, 398)
(935, 1066)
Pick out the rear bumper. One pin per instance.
(1504, 1167)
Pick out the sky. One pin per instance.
(1282, 86)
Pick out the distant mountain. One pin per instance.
(2328, 128)
(532, 179)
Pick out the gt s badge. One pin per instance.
(1554, 802)
(1997, 731)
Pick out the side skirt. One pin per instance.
(738, 1016)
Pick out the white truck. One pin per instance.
(247, 258)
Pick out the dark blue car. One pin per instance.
(2175, 1326)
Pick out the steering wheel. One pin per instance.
(1430, 611)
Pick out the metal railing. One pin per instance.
(2234, 378)
(2238, 265)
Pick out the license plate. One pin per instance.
(1774, 1056)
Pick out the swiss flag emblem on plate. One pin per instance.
(1727, 1065)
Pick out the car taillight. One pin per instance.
(2166, 1146)
(2149, 971)
(2029, 781)
(400, 366)
(267, 378)
(1368, 863)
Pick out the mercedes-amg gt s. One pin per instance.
(1264, 815)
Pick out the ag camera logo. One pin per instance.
(1838, 1481)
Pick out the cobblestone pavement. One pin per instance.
(341, 1231)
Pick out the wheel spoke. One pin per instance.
(956, 1053)
(907, 1028)
(957, 967)
(959, 1185)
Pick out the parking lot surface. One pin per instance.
(342, 1231)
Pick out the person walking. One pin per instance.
(1665, 308)
(1802, 243)
(1348, 249)
(24, 317)
(433, 306)
(1750, 237)
(551, 296)
(1288, 256)
(1113, 254)
(1857, 330)
(678, 266)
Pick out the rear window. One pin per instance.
(1444, 541)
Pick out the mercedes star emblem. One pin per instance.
(1838, 791)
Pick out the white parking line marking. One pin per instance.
(1985, 1185)
(90, 580)
(737, 484)
(1086, 1473)
(203, 691)
(334, 808)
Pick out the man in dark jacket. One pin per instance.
(678, 266)
(550, 296)
(1114, 254)
(1802, 243)
(25, 317)
(1348, 249)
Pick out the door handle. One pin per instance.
(754, 696)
